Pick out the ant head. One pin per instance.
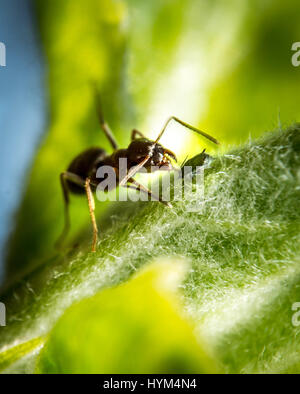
(159, 156)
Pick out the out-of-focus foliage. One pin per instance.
(226, 66)
(260, 89)
(244, 253)
(134, 328)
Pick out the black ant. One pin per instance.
(80, 176)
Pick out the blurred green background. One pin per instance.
(222, 66)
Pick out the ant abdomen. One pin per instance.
(84, 165)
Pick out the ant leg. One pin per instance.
(64, 177)
(66, 228)
(139, 187)
(104, 125)
(91, 203)
(188, 126)
(134, 133)
(133, 171)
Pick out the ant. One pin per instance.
(80, 176)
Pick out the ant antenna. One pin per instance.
(188, 126)
(106, 129)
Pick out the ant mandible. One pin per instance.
(80, 176)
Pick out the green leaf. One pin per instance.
(243, 247)
(133, 328)
(14, 354)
